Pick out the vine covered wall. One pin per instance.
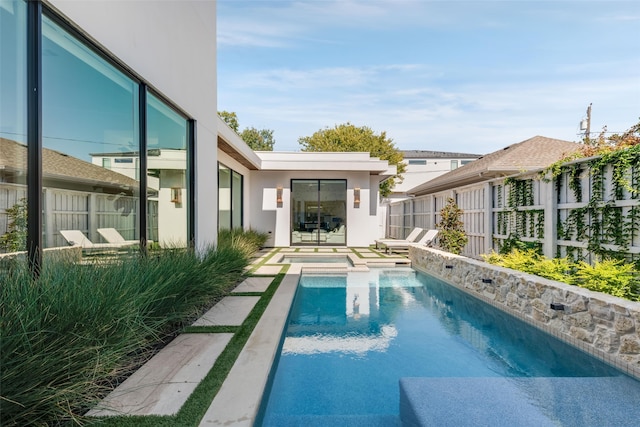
(586, 210)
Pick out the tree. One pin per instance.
(348, 137)
(15, 239)
(451, 236)
(231, 119)
(258, 139)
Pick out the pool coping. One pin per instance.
(238, 400)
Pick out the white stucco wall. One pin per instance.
(171, 45)
(266, 216)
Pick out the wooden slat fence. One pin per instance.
(79, 210)
(583, 212)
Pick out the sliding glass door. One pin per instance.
(319, 211)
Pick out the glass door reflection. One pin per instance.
(318, 214)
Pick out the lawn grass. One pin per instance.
(69, 337)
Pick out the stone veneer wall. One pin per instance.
(602, 325)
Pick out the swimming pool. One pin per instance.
(351, 338)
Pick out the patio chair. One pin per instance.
(112, 235)
(426, 240)
(77, 238)
(412, 237)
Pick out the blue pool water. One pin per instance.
(351, 338)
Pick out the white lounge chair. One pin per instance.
(112, 235)
(426, 240)
(412, 237)
(77, 238)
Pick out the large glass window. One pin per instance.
(229, 198)
(224, 197)
(167, 174)
(13, 126)
(89, 116)
(319, 211)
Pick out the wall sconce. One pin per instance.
(279, 196)
(356, 197)
(176, 195)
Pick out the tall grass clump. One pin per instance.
(69, 336)
(247, 241)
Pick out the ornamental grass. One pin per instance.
(69, 337)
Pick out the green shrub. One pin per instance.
(67, 336)
(613, 277)
(15, 239)
(451, 236)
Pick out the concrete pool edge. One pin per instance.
(238, 401)
(601, 325)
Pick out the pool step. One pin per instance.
(333, 420)
(520, 401)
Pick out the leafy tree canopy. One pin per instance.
(604, 144)
(348, 137)
(256, 139)
(231, 119)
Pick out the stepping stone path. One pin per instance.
(163, 384)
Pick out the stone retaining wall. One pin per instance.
(604, 326)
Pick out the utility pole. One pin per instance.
(588, 132)
(585, 125)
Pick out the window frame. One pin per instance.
(36, 10)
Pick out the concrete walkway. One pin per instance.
(166, 381)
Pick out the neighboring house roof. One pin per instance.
(60, 166)
(534, 153)
(428, 154)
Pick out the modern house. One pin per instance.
(425, 165)
(101, 82)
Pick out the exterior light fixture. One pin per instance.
(279, 196)
(356, 197)
(176, 195)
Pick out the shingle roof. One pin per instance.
(56, 165)
(534, 153)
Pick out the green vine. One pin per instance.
(575, 182)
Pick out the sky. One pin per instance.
(456, 76)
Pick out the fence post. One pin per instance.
(92, 219)
(432, 212)
(49, 220)
(488, 217)
(550, 203)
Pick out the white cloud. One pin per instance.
(455, 94)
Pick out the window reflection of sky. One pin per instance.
(88, 105)
(91, 107)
